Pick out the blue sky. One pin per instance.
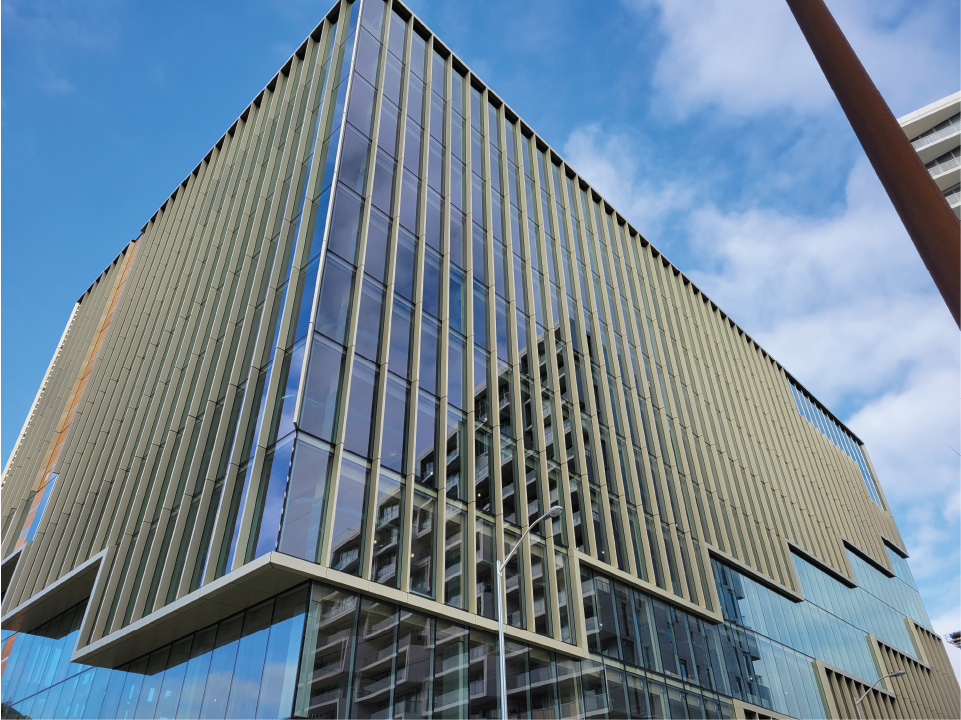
(706, 122)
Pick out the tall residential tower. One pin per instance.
(375, 333)
(935, 132)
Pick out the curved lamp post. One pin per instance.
(857, 703)
(552, 513)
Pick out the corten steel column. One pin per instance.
(929, 220)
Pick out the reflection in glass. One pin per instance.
(344, 225)
(333, 308)
(515, 605)
(304, 510)
(422, 545)
(360, 407)
(387, 529)
(394, 432)
(324, 373)
(484, 564)
(426, 438)
(369, 320)
(398, 361)
(453, 556)
(348, 527)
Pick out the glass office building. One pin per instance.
(371, 338)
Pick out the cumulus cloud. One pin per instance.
(749, 56)
(613, 164)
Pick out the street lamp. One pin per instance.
(857, 703)
(552, 513)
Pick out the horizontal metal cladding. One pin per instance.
(381, 328)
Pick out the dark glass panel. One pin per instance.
(304, 512)
(455, 300)
(252, 651)
(270, 503)
(279, 679)
(432, 221)
(221, 670)
(509, 497)
(540, 585)
(387, 133)
(429, 354)
(319, 411)
(368, 53)
(361, 110)
(562, 576)
(373, 666)
(373, 17)
(412, 145)
(426, 437)
(450, 672)
(347, 533)
(328, 644)
(484, 564)
(515, 602)
(344, 224)
(457, 237)
(387, 529)
(370, 320)
(395, 424)
(480, 253)
(415, 98)
(454, 565)
(333, 309)
(422, 545)
(483, 675)
(398, 32)
(290, 380)
(480, 314)
(353, 164)
(400, 329)
(406, 263)
(418, 54)
(306, 286)
(432, 283)
(393, 72)
(457, 371)
(414, 670)
(482, 472)
(360, 408)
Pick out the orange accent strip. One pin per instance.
(93, 352)
(7, 649)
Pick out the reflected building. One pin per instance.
(260, 480)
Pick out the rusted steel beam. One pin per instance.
(929, 220)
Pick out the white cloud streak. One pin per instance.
(749, 56)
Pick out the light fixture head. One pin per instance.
(897, 673)
(555, 511)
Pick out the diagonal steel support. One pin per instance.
(929, 220)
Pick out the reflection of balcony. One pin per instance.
(327, 704)
(481, 470)
(452, 571)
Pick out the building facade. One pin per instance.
(935, 132)
(228, 500)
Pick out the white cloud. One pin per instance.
(613, 165)
(750, 56)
